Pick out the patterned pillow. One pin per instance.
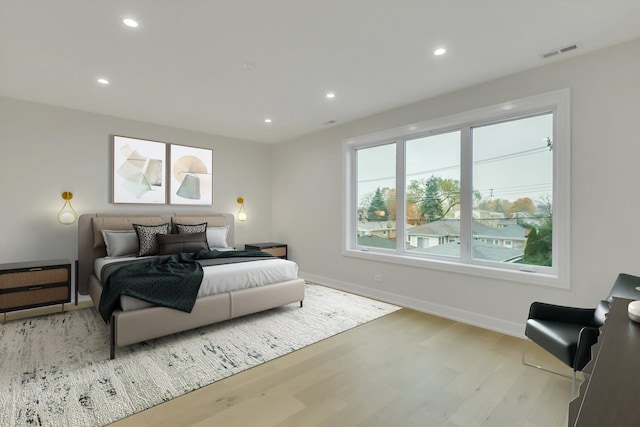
(147, 241)
(190, 229)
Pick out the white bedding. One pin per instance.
(221, 278)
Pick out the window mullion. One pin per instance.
(401, 204)
(351, 223)
(466, 194)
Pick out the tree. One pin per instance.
(523, 204)
(495, 205)
(365, 201)
(538, 250)
(434, 198)
(378, 210)
(389, 195)
(431, 205)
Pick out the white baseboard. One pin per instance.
(468, 317)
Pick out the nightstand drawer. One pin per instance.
(280, 252)
(35, 276)
(34, 296)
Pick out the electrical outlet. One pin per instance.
(377, 278)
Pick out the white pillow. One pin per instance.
(217, 237)
(120, 242)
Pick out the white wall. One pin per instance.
(46, 150)
(605, 97)
(293, 190)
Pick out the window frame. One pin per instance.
(557, 102)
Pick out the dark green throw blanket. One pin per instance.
(170, 281)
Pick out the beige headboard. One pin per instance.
(91, 244)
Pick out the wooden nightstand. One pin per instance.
(273, 248)
(34, 284)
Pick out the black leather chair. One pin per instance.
(568, 333)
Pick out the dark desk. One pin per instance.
(610, 395)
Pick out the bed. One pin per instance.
(235, 289)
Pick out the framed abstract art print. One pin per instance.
(139, 171)
(190, 175)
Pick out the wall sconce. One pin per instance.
(67, 215)
(242, 213)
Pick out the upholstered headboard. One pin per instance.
(91, 244)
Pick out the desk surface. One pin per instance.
(612, 395)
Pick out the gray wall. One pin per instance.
(605, 102)
(45, 150)
(294, 190)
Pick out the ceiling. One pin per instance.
(223, 67)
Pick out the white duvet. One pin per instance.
(221, 278)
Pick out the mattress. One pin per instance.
(220, 278)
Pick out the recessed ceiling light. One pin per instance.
(130, 22)
(267, 120)
(331, 95)
(440, 51)
(103, 81)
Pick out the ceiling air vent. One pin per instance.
(558, 51)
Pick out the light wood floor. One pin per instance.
(404, 369)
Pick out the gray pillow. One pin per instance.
(120, 242)
(147, 240)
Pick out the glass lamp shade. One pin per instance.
(67, 215)
(242, 213)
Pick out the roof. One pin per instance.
(451, 227)
(483, 251)
(513, 232)
(377, 225)
(376, 242)
(442, 227)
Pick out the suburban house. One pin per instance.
(385, 229)
(481, 251)
(446, 231)
(248, 81)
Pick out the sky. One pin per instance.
(511, 160)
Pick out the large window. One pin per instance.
(484, 192)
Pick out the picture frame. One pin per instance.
(190, 175)
(138, 171)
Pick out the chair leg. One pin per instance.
(524, 362)
(573, 377)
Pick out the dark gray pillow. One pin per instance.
(177, 243)
(191, 228)
(147, 240)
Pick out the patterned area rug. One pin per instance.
(55, 371)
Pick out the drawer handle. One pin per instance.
(35, 269)
(35, 288)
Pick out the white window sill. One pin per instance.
(525, 277)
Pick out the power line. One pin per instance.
(475, 163)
